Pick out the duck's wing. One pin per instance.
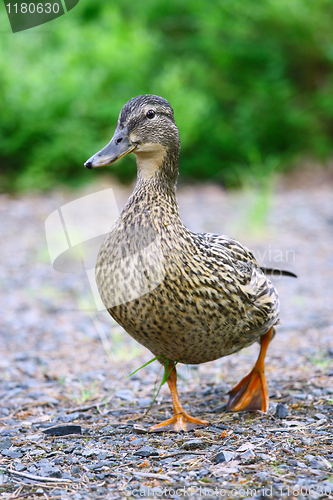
(224, 247)
(244, 279)
(240, 253)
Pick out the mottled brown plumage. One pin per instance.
(187, 297)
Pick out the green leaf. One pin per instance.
(148, 363)
(166, 375)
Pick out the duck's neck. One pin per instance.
(158, 172)
(155, 195)
(157, 161)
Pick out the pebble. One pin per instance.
(146, 451)
(5, 443)
(50, 471)
(63, 430)
(281, 410)
(248, 457)
(308, 441)
(68, 418)
(224, 456)
(89, 452)
(317, 464)
(12, 453)
(219, 408)
(125, 394)
(19, 466)
(300, 395)
(194, 444)
(76, 469)
(139, 429)
(320, 416)
(203, 472)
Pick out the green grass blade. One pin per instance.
(148, 363)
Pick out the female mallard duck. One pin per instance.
(187, 297)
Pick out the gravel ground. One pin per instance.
(64, 366)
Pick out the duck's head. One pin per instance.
(146, 126)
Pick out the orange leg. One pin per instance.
(251, 393)
(180, 420)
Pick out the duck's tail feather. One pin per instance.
(277, 272)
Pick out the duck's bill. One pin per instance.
(119, 146)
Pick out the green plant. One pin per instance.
(319, 360)
(250, 83)
(84, 394)
(165, 377)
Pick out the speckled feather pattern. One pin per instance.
(205, 295)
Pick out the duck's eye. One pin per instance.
(150, 114)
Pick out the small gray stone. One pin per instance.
(35, 394)
(146, 451)
(19, 466)
(68, 418)
(203, 472)
(12, 453)
(125, 394)
(300, 396)
(264, 456)
(102, 455)
(317, 464)
(136, 441)
(50, 471)
(89, 452)
(248, 457)
(59, 493)
(139, 429)
(224, 456)
(144, 401)
(219, 408)
(320, 416)
(282, 410)
(239, 430)
(262, 476)
(194, 444)
(5, 443)
(43, 462)
(307, 441)
(69, 449)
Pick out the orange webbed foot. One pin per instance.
(251, 393)
(179, 422)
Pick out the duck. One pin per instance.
(187, 297)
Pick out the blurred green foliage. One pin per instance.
(251, 84)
